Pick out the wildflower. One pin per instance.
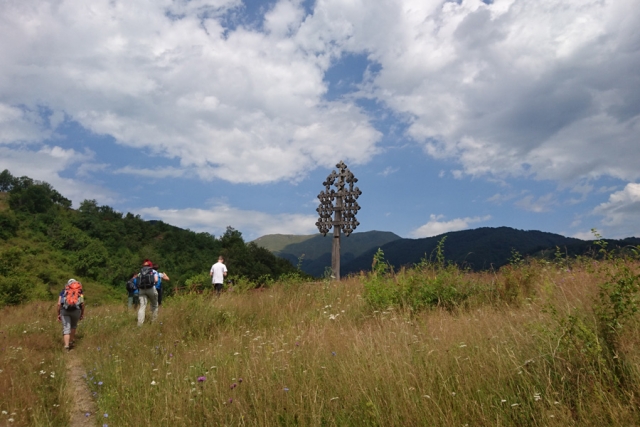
(4, 412)
(202, 379)
(87, 414)
(105, 425)
(53, 375)
(503, 401)
(170, 354)
(234, 385)
(453, 393)
(236, 353)
(230, 400)
(106, 415)
(43, 372)
(153, 383)
(100, 383)
(239, 380)
(333, 353)
(286, 389)
(11, 420)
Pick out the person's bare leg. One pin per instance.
(66, 341)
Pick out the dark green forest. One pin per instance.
(44, 242)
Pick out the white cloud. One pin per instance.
(47, 163)
(544, 89)
(532, 204)
(388, 171)
(21, 125)
(164, 172)
(253, 224)
(239, 105)
(621, 213)
(436, 227)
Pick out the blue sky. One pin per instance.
(216, 113)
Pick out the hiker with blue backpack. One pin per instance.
(161, 277)
(70, 311)
(132, 289)
(147, 292)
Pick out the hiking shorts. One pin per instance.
(69, 320)
(218, 287)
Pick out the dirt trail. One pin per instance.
(83, 403)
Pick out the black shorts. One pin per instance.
(218, 287)
(159, 296)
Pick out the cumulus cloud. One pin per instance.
(253, 224)
(436, 226)
(21, 126)
(541, 89)
(621, 213)
(47, 164)
(242, 105)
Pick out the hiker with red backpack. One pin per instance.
(146, 281)
(70, 311)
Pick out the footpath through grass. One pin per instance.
(525, 347)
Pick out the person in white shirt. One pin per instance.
(218, 273)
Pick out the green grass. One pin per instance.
(319, 354)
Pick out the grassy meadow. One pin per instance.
(535, 344)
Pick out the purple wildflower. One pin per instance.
(87, 414)
(230, 400)
(286, 389)
(100, 383)
(106, 415)
(202, 379)
(239, 380)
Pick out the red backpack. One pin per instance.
(72, 296)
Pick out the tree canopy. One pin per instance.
(43, 242)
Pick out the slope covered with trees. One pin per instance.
(43, 242)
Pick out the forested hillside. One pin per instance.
(44, 242)
(482, 248)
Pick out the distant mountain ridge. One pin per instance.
(478, 249)
(314, 251)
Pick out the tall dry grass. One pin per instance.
(524, 348)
